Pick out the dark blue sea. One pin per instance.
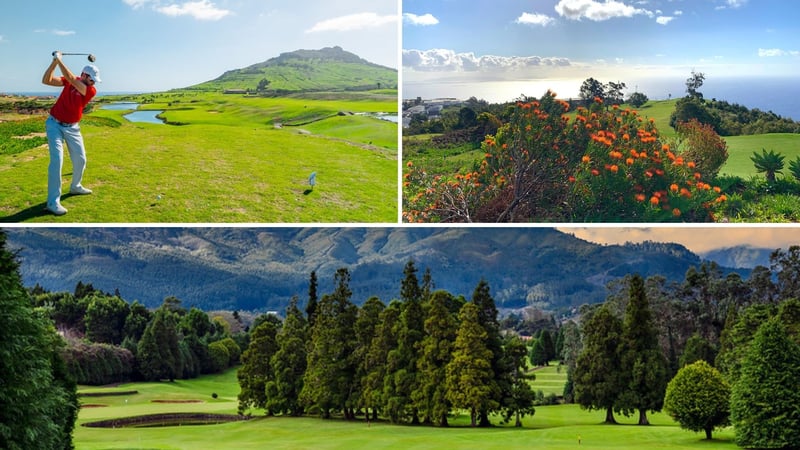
(779, 95)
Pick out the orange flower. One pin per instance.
(614, 168)
(595, 172)
(697, 176)
(721, 198)
(586, 159)
(665, 147)
(640, 197)
(629, 161)
(409, 164)
(654, 200)
(673, 187)
(571, 179)
(717, 189)
(690, 164)
(676, 212)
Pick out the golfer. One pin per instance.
(63, 127)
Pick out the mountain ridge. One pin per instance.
(325, 69)
(261, 269)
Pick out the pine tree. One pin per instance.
(520, 401)
(367, 323)
(38, 399)
(642, 360)
(487, 317)
(430, 395)
(373, 393)
(311, 307)
(469, 374)
(256, 371)
(158, 352)
(288, 364)
(328, 383)
(597, 379)
(765, 398)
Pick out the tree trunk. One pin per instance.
(443, 421)
(484, 422)
(708, 433)
(473, 417)
(518, 423)
(610, 416)
(643, 417)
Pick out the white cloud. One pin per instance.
(535, 19)
(444, 60)
(423, 20)
(56, 32)
(678, 12)
(663, 20)
(597, 11)
(136, 4)
(352, 22)
(775, 52)
(736, 3)
(200, 10)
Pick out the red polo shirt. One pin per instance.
(70, 104)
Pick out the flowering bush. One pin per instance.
(545, 165)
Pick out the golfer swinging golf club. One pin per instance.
(63, 127)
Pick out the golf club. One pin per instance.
(90, 56)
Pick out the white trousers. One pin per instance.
(57, 136)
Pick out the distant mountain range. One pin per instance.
(740, 256)
(262, 268)
(327, 69)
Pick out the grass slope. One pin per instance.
(741, 148)
(228, 163)
(552, 427)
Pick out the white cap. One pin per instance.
(93, 72)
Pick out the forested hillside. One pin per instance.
(260, 269)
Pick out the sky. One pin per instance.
(459, 41)
(698, 239)
(156, 45)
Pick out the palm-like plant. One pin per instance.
(768, 162)
(794, 168)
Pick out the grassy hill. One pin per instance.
(327, 69)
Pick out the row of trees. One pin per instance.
(110, 340)
(724, 342)
(414, 360)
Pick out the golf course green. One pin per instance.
(222, 159)
(552, 427)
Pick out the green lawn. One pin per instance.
(552, 427)
(741, 148)
(550, 379)
(228, 163)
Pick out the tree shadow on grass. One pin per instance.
(308, 191)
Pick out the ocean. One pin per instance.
(779, 95)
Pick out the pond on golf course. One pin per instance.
(135, 116)
(145, 116)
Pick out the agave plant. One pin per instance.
(794, 168)
(768, 162)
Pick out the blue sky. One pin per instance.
(153, 45)
(474, 40)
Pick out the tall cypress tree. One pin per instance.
(642, 359)
(597, 379)
(765, 398)
(158, 352)
(38, 400)
(328, 383)
(487, 317)
(256, 371)
(469, 373)
(436, 348)
(311, 306)
(367, 323)
(288, 363)
(374, 394)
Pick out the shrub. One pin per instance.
(701, 144)
(698, 398)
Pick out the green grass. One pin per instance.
(741, 148)
(229, 164)
(550, 379)
(552, 427)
